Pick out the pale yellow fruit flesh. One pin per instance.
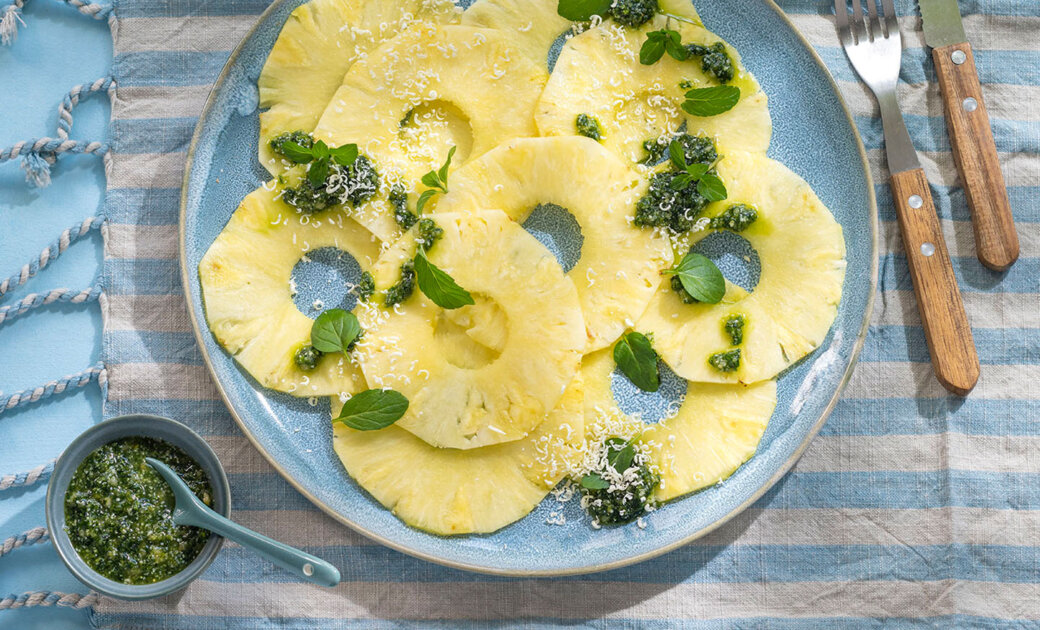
(532, 25)
(599, 74)
(714, 430)
(465, 87)
(619, 268)
(469, 385)
(319, 42)
(245, 278)
(449, 491)
(802, 254)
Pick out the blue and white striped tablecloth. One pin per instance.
(911, 509)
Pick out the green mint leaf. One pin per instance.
(673, 44)
(320, 149)
(711, 187)
(638, 361)
(335, 330)
(620, 454)
(711, 101)
(438, 285)
(430, 180)
(318, 171)
(697, 171)
(582, 10)
(592, 481)
(423, 198)
(678, 156)
(373, 409)
(701, 278)
(345, 155)
(681, 182)
(297, 153)
(443, 173)
(651, 51)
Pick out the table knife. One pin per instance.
(996, 241)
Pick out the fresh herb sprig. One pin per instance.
(660, 42)
(437, 285)
(319, 155)
(708, 183)
(620, 455)
(436, 182)
(711, 101)
(637, 359)
(373, 409)
(335, 330)
(700, 278)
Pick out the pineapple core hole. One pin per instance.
(473, 336)
(556, 228)
(429, 130)
(650, 407)
(324, 278)
(734, 256)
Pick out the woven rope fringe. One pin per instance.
(69, 236)
(12, 17)
(28, 478)
(36, 300)
(48, 598)
(96, 374)
(40, 154)
(33, 536)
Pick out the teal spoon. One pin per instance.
(189, 510)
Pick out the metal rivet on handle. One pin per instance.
(915, 201)
(308, 569)
(927, 249)
(970, 104)
(958, 57)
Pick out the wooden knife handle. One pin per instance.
(946, 327)
(996, 241)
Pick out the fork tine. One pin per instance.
(841, 16)
(891, 19)
(859, 27)
(875, 23)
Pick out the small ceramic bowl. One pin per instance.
(137, 425)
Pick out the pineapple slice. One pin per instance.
(620, 265)
(449, 491)
(532, 25)
(715, 429)
(245, 280)
(318, 44)
(429, 89)
(485, 373)
(599, 74)
(802, 253)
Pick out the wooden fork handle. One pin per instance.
(996, 241)
(946, 329)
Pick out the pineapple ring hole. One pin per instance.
(472, 337)
(735, 257)
(650, 407)
(324, 278)
(555, 227)
(430, 129)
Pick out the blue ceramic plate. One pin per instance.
(813, 134)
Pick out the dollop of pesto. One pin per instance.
(119, 511)
(633, 12)
(727, 361)
(353, 184)
(404, 287)
(366, 286)
(715, 61)
(733, 325)
(664, 206)
(307, 357)
(589, 127)
(737, 218)
(428, 233)
(398, 198)
(301, 138)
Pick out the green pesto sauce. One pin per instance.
(119, 511)
(727, 361)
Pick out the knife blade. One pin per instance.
(974, 150)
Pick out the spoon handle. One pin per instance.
(308, 567)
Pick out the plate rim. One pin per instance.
(484, 569)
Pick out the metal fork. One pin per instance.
(874, 46)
